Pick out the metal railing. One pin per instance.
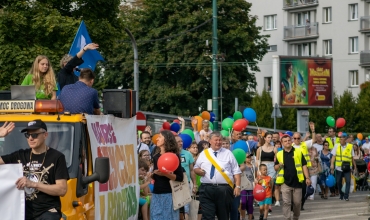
(298, 3)
(301, 31)
(365, 23)
(365, 58)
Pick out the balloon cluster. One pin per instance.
(340, 123)
(237, 122)
(205, 115)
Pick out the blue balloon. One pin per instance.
(250, 114)
(175, 127)
(186, 140)
(363, 141)
(289, 133)
(213, 117)
(241, 145)
(151, 187)
(330, 181)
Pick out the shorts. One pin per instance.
(142, 201)
(267, 201)
(247, 200)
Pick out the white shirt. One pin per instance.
(318, 147)
(227, 162)
(308, 144)
(142, 147)
(334, 152)
(366, 146)
(196, 136)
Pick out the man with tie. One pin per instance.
(220, 179)
(331, 138)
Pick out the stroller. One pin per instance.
(361, 175)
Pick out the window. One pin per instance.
(367, 77)
(353, 45)
(327, 15)
(303, 49)
(302, 17)
(270, 22)
(268, 81)
(327, 47)
(353, 78)
(353, 11)
(272, 48)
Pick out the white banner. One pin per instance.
(12, 200)
(116, 138)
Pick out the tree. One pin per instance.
(262, 104)
(362, 109)
(175, 74)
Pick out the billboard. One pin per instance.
(305, 82)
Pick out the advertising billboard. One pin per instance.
(306, 82)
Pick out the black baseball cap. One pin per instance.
(34, 125)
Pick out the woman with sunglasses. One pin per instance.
(325, 157)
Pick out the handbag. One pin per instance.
(346, 166)
(180, 193)
(194, 207)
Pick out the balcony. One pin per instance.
(365, 24)
(365, 58)
(297, 4)
(301, 32)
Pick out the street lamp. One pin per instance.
(214, 65)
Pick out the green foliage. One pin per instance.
(262, 104)
(175, 76)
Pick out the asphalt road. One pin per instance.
(332, 208)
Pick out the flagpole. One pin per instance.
(136, 67)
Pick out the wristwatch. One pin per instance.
(238, 187)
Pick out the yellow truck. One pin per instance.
(68, 134)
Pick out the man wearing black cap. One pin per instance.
(45, 173)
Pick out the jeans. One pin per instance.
(347, 177)
(234, 213)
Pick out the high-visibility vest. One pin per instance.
(345, 156)
(304, 150)
(331, 144)
(297, 161)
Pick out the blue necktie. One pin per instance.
(213, 167)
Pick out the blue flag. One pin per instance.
(82, 38)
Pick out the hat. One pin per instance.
(34, 125)
(309, 191)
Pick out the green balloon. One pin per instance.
(227, 123)
(330, 121)
(189, 132)
(239, 155)
(224, 133)
(198, 181)
(211, 126)
(237, 115)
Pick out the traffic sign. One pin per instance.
(140, 121)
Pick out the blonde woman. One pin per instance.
(42, 76)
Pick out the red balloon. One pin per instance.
(259, 193)
(176, 121)
(174, 133)
(340, 122)
(166, 126)
(168, 162)
(281, 134)
(246, 121)
(240, 125)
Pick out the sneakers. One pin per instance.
(269, 212)
(346, 200)
(261, 217)
(277, 203)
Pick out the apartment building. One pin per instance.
(339, 29)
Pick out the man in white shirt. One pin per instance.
(366, 145)
(318, 144)
(214, 183)
(144, 139)
(339, 173)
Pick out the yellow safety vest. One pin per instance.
(297, 162)
(331, 144)
(346, 155)
(304, 150)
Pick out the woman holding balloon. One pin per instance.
(166, 167)
(325, 157)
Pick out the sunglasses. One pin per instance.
(34, 135)
(296, 138)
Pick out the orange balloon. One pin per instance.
(206, 115)
(360, 136)
(199, 124)
(154, 138)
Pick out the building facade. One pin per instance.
(339, 29)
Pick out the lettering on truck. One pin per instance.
(17, 106)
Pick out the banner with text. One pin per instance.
(306, 82)
(116, 138)
(12, 200)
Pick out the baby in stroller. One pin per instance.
(361, 175)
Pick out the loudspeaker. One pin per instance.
(5, 95)
(119, 102)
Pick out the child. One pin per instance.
(226, 142)
(204, 134)
(144, 180)
(247, 195)
(266, 183)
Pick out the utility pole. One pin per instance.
(136, 67)
(214, 66)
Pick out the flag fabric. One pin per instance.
(82, 38)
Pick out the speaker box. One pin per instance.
(119, 102)
(5, 95)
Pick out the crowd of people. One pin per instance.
(290, 168)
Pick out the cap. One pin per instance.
(344, 134)
(310, 191)
(34, 125)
